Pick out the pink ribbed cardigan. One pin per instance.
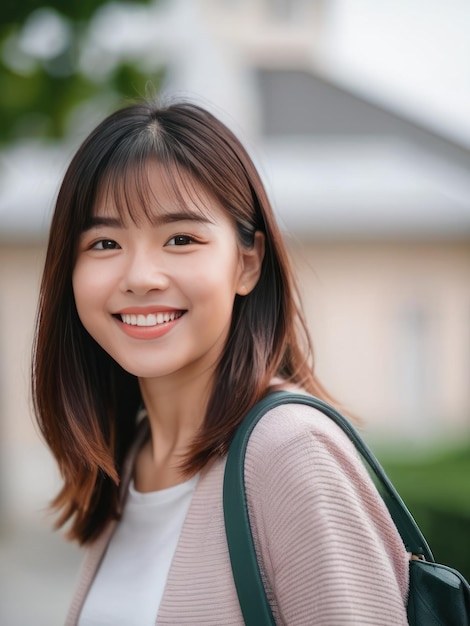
(328, 550)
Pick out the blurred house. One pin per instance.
(376, 209)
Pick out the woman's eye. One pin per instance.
(180, 240)
(105, 244)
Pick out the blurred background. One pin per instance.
(358, 116)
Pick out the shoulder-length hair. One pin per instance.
(85, 403)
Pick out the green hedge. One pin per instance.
(436, 489)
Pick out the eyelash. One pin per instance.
(187, 240)
(100, 243)
(179, 240)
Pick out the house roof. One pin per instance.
(29, 179)
(306, 102)
(380, 187)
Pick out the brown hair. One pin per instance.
(85, 403)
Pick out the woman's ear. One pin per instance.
(251, 261)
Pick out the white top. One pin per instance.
(129, 584)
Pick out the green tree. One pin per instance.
(41, 79)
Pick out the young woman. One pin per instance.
(167, 310)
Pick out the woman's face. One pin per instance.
(158, 296)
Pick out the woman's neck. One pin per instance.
(175, 413)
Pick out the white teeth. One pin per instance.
(153, 319)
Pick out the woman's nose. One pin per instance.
(145, 272)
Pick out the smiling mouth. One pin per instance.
(152, 319)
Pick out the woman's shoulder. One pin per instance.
(301, 448)
(290, 425)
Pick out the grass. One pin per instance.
(439, 482)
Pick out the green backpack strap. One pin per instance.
(255, 606)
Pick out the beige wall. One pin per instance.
(27, 474)
(391, 328)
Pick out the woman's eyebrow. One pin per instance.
(181, 215)
(96, 221)
(167, 217)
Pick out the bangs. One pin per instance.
(145, 189)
